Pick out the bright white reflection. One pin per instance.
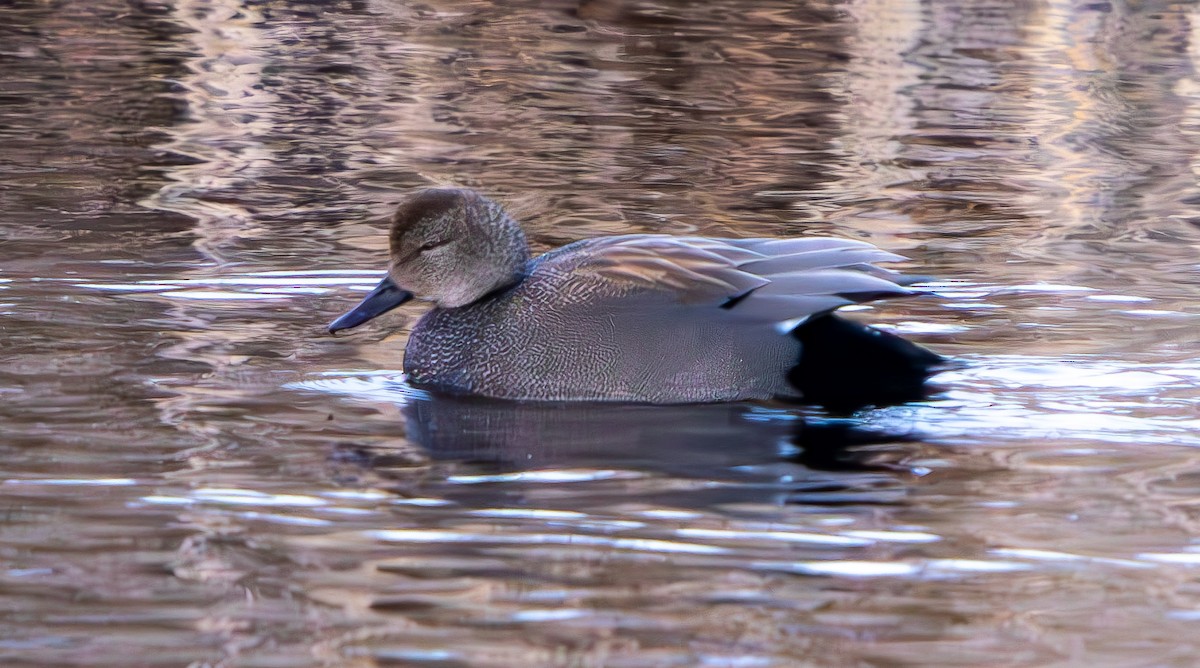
(1044, 287)
(932, 568)
(528, 513)
(1156, 313)
(666, 514)
(245, 497)
(219, 295)
(379, 385)
(257, 285)
(575, 519)
(973, 305)
(131, 287)
(857, 569)
(781, 536)
(357, 494)
(357, 273)
(1117, 298)
(285, 519)
(548, 476)
(721, 661)
(27, 572)
(167, 500)
(82, 482)
(290, 291)
(422, 502)
(415, 655)
(266, 282)
(1070, 374)
(1181, 558)
(637, 544)
(895, 536)
(1024, 397)
(913, 327)
(1066, 557)
(940, 566)
(552, 615)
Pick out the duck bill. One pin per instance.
(385, 297)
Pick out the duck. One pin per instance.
(638, 318)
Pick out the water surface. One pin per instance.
(196, 474)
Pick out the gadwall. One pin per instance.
(640, 317)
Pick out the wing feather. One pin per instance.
(765, 280)
(818, 259)
(845, 282)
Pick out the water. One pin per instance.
(196, 474)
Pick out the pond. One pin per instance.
(197, 474)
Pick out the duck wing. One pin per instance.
(766, 280)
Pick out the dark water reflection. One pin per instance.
(195, 474)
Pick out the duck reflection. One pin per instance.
(693, 441)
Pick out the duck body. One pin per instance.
(638, 318)
(565, 333)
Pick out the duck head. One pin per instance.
(448, 246)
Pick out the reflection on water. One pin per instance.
(195, 474)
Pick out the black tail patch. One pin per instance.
(845, 365)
